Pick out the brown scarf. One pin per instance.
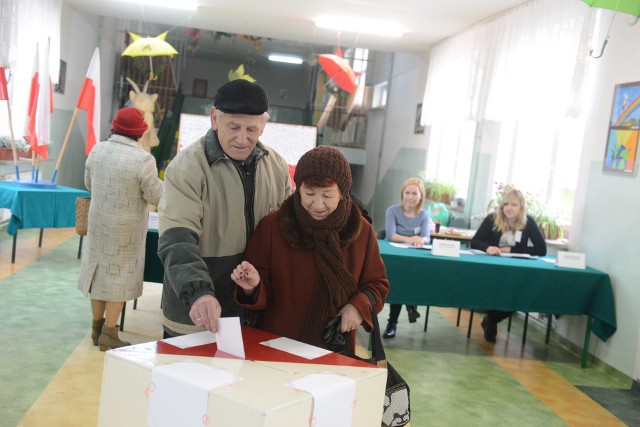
(327, 237)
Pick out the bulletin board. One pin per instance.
(291, 141)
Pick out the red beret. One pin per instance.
(129, 121)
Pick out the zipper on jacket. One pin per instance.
(248, 198)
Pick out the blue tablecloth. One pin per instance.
(39, 208)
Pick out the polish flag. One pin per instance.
(89, 100)
(4, 92)
(38, 126)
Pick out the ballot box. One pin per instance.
(158, 384)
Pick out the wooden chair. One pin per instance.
(82, 219)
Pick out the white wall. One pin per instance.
(391, 130)
(605, 224)
(80, 35)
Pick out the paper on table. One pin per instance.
(229, 336)
(400, 245)
(192, 340)
(296, 347)
(477, 252)
(514, 255)
(333, 398)
(409, 245)
(179, 393)
(153, 221)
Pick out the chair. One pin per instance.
(458, 222)
(82, 219)
(381, 235)
(524, 331)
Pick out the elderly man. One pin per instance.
(216, 190)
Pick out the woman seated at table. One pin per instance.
(507, 230)
(406, 223)
(312, 259)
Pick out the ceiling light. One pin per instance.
(285, 58)
(357, 25)
(171, 4)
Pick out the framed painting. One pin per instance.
(621, 151)
(62, 78)
(199, 88)
(419, 127)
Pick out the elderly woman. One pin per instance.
(123, 180)
(312, 259)
(508, 229)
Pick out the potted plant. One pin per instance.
(437, 190)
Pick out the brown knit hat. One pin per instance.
(324, 162)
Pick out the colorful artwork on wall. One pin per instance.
(620, 154)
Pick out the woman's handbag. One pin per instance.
(82, 215)
(397, 405)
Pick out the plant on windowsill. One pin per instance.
(547, 221)
(437, 190)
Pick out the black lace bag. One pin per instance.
(397, 405)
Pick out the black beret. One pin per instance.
(241, 97)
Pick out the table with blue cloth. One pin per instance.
(483, 282)
(33, 207)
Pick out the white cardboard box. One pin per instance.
(261, 398)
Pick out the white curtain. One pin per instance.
(522, 70)
(25, 24)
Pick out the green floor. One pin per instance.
(453, 381)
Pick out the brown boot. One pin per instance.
(109, 338)
(96, 330)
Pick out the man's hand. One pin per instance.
(206, 311)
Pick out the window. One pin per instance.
(518, 79)
(379, 99)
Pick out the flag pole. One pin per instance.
(64, 145)
(13, 143)
(37, 167)
(4, 94)
(33, 164)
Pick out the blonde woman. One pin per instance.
(508, 229)
(406, 223)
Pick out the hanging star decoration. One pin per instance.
(239, 73)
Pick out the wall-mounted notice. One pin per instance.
(291, 141)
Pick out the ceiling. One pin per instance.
(287, 26)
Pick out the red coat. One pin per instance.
(288, 277)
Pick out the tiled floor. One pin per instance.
(51, 374)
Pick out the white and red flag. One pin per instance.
(89, 100)
(38, 126)
(4, 92)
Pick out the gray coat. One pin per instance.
(123, 180)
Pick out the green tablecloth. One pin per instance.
(39, 208)
(484, 282)
(153, 270)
